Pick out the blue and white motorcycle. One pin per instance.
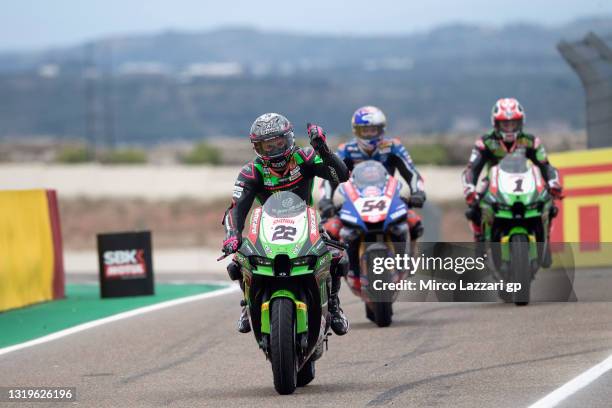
(374, 218)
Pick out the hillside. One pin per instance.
(189, 85)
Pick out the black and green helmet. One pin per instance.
(273, 140)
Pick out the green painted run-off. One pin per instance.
(82, 304)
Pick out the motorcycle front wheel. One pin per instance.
(519, 265)
(283, 354)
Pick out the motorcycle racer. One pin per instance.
(507, 135)
(282, 166)
(368, 124)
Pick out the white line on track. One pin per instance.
(574, 385)
(120, 316)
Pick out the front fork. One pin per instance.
(301, 319)
(301, 312)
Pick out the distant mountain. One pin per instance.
(196, 84)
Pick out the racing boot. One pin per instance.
(474, 216)
(244, 325)
(339, 322)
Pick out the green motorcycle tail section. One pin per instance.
(301, 312)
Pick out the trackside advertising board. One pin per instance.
(585, 215)
(125, 264)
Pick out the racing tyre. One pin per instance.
(283, 346)
(519, 265)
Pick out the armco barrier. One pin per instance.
(585, 215)
(31, 258)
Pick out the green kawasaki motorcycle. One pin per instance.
(516, 212)
(285, 265)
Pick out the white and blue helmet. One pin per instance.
(369, 124)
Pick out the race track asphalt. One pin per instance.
(434, 355)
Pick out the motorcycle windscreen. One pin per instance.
(514, 163)
(370, 179)
(369, 173)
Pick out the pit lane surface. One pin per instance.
(434, 354)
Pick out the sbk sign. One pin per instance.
(124, 263)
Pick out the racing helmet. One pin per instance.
(507, 118)
(369, 125)
(273, 139)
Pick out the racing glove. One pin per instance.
(470, 194)
(231, 244)
(417, 199)
(318, 140)
(555, 189)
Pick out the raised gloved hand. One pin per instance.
(318, 140)
(417, 199)
(555, 189)
(327, 208)
(470, 194)
(231, 244)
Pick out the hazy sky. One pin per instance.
(41, 23)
